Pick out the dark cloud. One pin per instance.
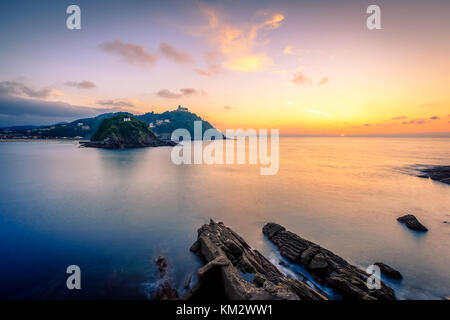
(116, 103)
(129, 52)
(400, 118)
(174, 54)
(165, 93)
(434, 118)
(81, 85)
(12, 88)
(416, 121)
(323, 81)
(301, 79)
(19, 111)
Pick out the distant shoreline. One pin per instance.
(42, 140)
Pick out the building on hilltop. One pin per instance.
(180, 108)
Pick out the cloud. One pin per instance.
(416, 121)
(81, 85)
(116, 103)
(399, 118)
(240, 45)
(12, 88)
(434, 118)
(288, 50)
(173, 54)
(323, 81)
(228, 107)
(210, 71)
(301, 79)
(322, 113)
(184, 92)
(21, 111)
(129, 52)
(212, 59)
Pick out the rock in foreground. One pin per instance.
(124, 131)
(165, 291)
(412, 223)
(388, 271)
(326, 267)
(235, 271)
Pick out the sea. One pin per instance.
(113, 212)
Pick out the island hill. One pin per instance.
(161, 124)
(124, 131)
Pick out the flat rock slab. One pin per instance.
(235, 271)
(412, 223)
(437, 173)
(326, 267)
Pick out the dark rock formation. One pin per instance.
(235, 271)
(326, 267)
(165, 291)
(163, 265)
(124, 131)
(438, 173)
(412, 223)
(388, 271)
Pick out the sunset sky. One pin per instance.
(305, 67)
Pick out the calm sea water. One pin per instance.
(112, 212)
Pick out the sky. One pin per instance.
(304, 67)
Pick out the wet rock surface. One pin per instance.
(165, 291)
(235, 271)
(412, 223)
(325, 266)
(388, 271)
(437, 173)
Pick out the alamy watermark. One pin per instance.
(222, 151)
(374, 280)
(74, 280)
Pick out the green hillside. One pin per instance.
(163, 125)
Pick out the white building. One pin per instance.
(166, 120)
(80, 124)
(151, 125)
(180, 108)
(159, 122)
(126, 119)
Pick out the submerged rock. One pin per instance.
(163, 265)
(388, 271)
(165, 292)
(326, 267)
(438, 173)
(235, 271)
(412, 223)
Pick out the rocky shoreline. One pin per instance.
(437, 173)
(234, 271)
(325, 267)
